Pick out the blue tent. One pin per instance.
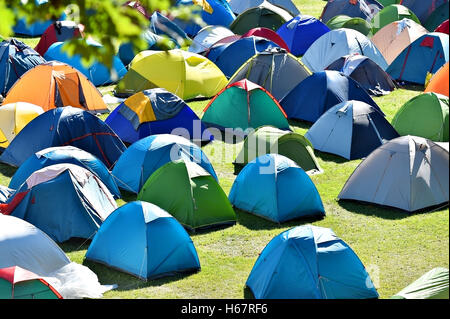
(145, 156)
(156, 111)
(274, 187)
(63, 200)
(427, 54)
(60, 155)
(365, 9)
(230, 57)
(161, 25)
(144, 240)
(215, 12)
(65, 126)
(99, 74)
(319, 92)
(423, 9)
(309, 262)
(300, 32)
(16, 58)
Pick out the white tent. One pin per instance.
(239, 6)
(208, 36)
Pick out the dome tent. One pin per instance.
(432, 285)
(351, 129)
(16, 58)
(270, 140)
(56, 85)
(239, 6)
(64, 155)
(336, 43)
(321, 91)
(207, 36)
(443, 27)
(152, 69)
(141, 239)
(275, 70)
(300, 32)
(423, 9)
(364, 9)
(426, 54)
(58, 31)
(190, 194)
(439, 81)
(409, 173)
(367, 73)
(309, 262)
(268, 35)
(145, 156)
(61, 127)
(274, 187)
(82, 203)
(392, 13)
(438, 16)
(244, 105)
(425, 115)
(13, 118)
(156, 111)
(343, 21)
(214, 12)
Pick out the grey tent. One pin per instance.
(351, 129)
(365, 9)
(275, 69)
(432, 285)
(409, 173)
(366, 72)
(239, 6)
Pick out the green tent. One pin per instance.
(244, 105)
(426, 115)
(392, 13)
(271, 140)
(343, 21)
(438, 16)
(432, 285)
(190, 194)
(386, 3)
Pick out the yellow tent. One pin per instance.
(14, 117)
(186, 74)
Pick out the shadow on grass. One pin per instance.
(75, 244)
(248, 293)
(7, 170)
(128, 196)
(254, 222)
(108, 276)
(328, 157)
(300, 124)
(410, 87)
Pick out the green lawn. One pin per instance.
(395, 247)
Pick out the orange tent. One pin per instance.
(55, 84)
(439, 82)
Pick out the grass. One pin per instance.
(395, 247)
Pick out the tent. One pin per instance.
(409, 173)
(156, 111)
(443, 27)
(16, 58)
(268, 35)
(425, 115)
(13, 118)
(25, 246)
(190, 194)
(143, 240)
(336, 43)
(145, 156)
(276, 70)
(59, 31)
(183, 73)
(270, 140)
(231, 56)
(391, 13)
(423, 9)
(265, 15)
(244, 105)
(300, 32)
(366, 72)
(351, 129)
(309, 262)
(97, 73)
(56, 84)
(438, 16)
(61, 127)
(426, 54)
(64, 155)
(163, 26)
(207, 36)
(439, 81)
(274, 187)
(364, 9)
(214, 12)
(82, 203)
(432, 285)
(392, 39)
(239, 6)
(320, 92)
(358, 24)
(19, 283)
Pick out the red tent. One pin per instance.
(443, 27)
(58, 31)
(267, 34)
